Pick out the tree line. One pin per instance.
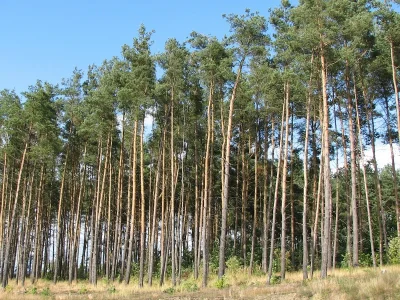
(255, 151)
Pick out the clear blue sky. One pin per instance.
(47, 39)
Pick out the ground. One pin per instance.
(361, 283)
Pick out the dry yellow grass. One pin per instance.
(361, 283)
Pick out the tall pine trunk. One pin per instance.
(283, 185)
(133, 205)
(10, 234)
(224, 208)
(326, 169)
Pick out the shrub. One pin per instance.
(221, 283)
(111, 289)
(233, 264)
(49, 275)
(365, 260)
(276, 267)
(345, 260)
(45, 292)
(170, 290)
(33, 290)
(82, 289)
(190, 286)
(394, 251)
(275, 279)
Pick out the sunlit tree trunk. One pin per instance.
(283, 185)
(224, 211)
(371, 237)
(278, 170)
(393, 165)
(305, 174)
(60, 203)
(133, 204)
(10, 234)
(207, 187)
(353, 172)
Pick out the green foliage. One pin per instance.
(33, 290)
(276, 267)
(46, 292)
(275, 279)
(355, 37)
(190, 286)
(81, 272)
(214, 260)
(345, 260)
(9, 289)
(42, 114)
(221, 283)
(394, 251)
(111, 289)
(82, 289)
(365, 260)
(49, 275)
(12, 121)
(233, 264)
(249, 34)
(135, 269)
(170, 290)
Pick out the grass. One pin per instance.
(361, 283)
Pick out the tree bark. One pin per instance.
(283, 185)
(224, 210)
(133, 205)
(327, 172)
(12, 221)
(278, 170)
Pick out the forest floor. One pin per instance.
(360, 283)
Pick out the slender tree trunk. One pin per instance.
(327, 171)
(26, 227)
(346, 174)
(155, 206)
(291, 191)
(172, 166)
(133, 205)
(162, 238)
(371, 237)
(128, 210)
(305, 174)
(73, 259)
(383, 241)
(224, 211)
(12, 221)
(266, 200)
(206, 187)
(283, 185)
(60, 203)
(3, 208)
(396, 90)
(94, 209)
(335, 236)
(196, 215)
(108, 254)
(99, 210)
(118, 219)
(244, 199)
(393, 165)
(365, 179)
(253, 238)
(271, 250)
(36, 263)
(142, 211)
(353, 172)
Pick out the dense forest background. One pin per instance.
(248, 150)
